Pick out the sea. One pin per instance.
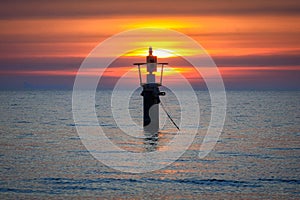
(257, 155)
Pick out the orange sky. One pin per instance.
(250, 41)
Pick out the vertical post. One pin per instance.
(140, 75)
(161, 73)
(151, 107)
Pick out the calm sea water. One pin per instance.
(257, 155)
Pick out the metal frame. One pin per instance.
(140, 74)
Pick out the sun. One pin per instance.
(162, 53)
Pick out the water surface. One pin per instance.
(257, 155)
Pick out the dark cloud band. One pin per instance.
(84, 9)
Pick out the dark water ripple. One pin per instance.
(291, 181)
(15, 190)
(60, 185)
(68, 181)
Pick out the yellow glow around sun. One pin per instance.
(163, 53)
(161, 47)
(160, 53)
(159, 23)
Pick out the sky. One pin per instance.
(255, 44)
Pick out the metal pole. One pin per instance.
(161, 73)
(140, 75)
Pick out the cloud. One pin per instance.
(48, 63)
(276, 60)
(81, 9)
(281, 59)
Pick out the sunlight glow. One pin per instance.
(158, 23)
(160, 53)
